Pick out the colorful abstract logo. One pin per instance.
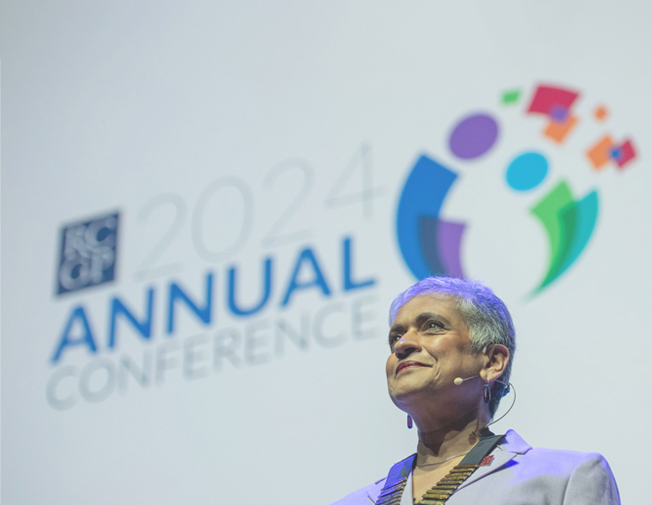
(431, 245)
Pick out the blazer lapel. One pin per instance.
(503, 454)
(373, 493)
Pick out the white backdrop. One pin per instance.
(203, 138)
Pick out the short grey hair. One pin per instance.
(485, 315)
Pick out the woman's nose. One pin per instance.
(408, 344)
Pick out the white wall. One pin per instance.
(227, 133)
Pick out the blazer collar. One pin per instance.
(512, 446)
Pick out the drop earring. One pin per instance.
(487, 394)
(409, 422)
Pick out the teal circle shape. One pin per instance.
(527, 171)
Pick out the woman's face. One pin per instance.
(431, 347)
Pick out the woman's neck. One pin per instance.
(442, 443)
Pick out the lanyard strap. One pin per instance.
(398, 474)
(482, 449)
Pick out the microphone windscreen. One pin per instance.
(458, 381)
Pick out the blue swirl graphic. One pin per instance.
(418, 220)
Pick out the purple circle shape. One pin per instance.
(473, 136)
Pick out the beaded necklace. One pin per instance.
(441, 492)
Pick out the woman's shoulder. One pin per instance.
(576, 477)
(514, 443)
(580, 474)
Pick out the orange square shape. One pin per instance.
(600, 153)
(558, 131)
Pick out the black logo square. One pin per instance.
(88, 253)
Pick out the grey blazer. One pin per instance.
(521, 475)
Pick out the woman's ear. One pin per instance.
(496, 362)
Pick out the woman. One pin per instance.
(452, 345)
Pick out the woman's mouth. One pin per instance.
(405, 365)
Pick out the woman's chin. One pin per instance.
(405, 395)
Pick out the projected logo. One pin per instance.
(432, 245)
(88, 253)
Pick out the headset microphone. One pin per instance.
(459, 380)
